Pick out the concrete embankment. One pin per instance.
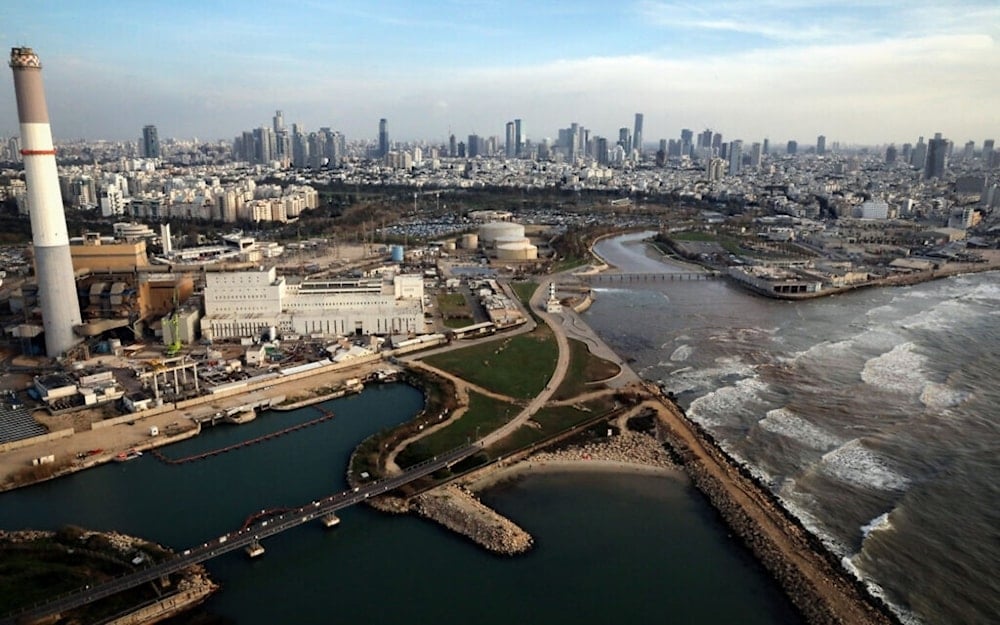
(194, 588)
(460, 511)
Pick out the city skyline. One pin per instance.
(859, 73)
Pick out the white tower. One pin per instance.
(49, 235)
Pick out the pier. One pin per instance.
(651, 277)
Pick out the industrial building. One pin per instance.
(506, 241)
(258, 302)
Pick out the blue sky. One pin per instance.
(868, 72)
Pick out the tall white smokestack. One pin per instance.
(53, 264)
(168, 246)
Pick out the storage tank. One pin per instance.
(449, 245)
(498, 230)
(396, 253)
(470, 241)
(516, 251)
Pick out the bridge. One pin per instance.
(258, 527)
(651, 277)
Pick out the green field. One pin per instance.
(518, 366)
(584, 368)
(524, 291)
(484, 415)
(453, 305)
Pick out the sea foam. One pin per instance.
(852, 462)
(900, 370)
(784, 422)
(682, 353)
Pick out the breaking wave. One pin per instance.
(852, 462)
(784, 422)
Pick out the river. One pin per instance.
(610, 547)
(871, 414)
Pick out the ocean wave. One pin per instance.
(900, 370)
(682, 353)
(852, 462)
(688, 379)
(723, 406)
(942, 316)
(881, 523)
(875, 590)
(784, 422)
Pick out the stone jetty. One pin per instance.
(461, 511)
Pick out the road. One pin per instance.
(258, 530)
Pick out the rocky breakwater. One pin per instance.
(626, 449)
(822, 591)
(461, 511)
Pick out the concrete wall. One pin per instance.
(34, 440)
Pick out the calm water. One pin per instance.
(873, 415)
(610, 548)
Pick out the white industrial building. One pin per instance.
(258, 302)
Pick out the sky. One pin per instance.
(866, 72)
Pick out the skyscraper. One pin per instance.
(49, 235)
(735, 157)
(792, 147)
(518, 138)
(150, 142)
(937, 157)
(279, 122)
(637, 135)
(625, 140)
(383, 138)
(510, 149)
(821, 145)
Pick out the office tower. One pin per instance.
(766, 149)
(602, 150)
(735, 157)
(150, 142)
(705, 139)
(937, 157)
(510, 149)
(755, 154)
(474, 147)
(637, 134)
(891, 154)
(518, 138)
(383, 138)
(49, 235)
(792, 147)
(263, 145)
(821, 145)
(970, 150)
(717, 142)
(907, 152)
(918, 156)
(625, 140)
(452, 146)
(988, 152)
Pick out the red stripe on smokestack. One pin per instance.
(38, 152)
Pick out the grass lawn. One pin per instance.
(584, 368)
(570, 262)
(454, 305)
(524, 291)
(485, 414)
(519, 366)
(549, 422)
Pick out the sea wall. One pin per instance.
(192, 590)
(823, 592)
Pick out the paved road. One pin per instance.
(238, 539)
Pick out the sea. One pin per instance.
(873, 415)
(609, 548)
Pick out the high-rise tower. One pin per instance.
(937, 157)
(150, 142)
(383, 137)
(53, 264)
(637, 134)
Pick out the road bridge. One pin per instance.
(259, 527)
(650, 277)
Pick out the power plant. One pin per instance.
(50, 237)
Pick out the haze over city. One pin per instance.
(858, 72)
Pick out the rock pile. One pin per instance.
(460, 511)
(626, 448)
